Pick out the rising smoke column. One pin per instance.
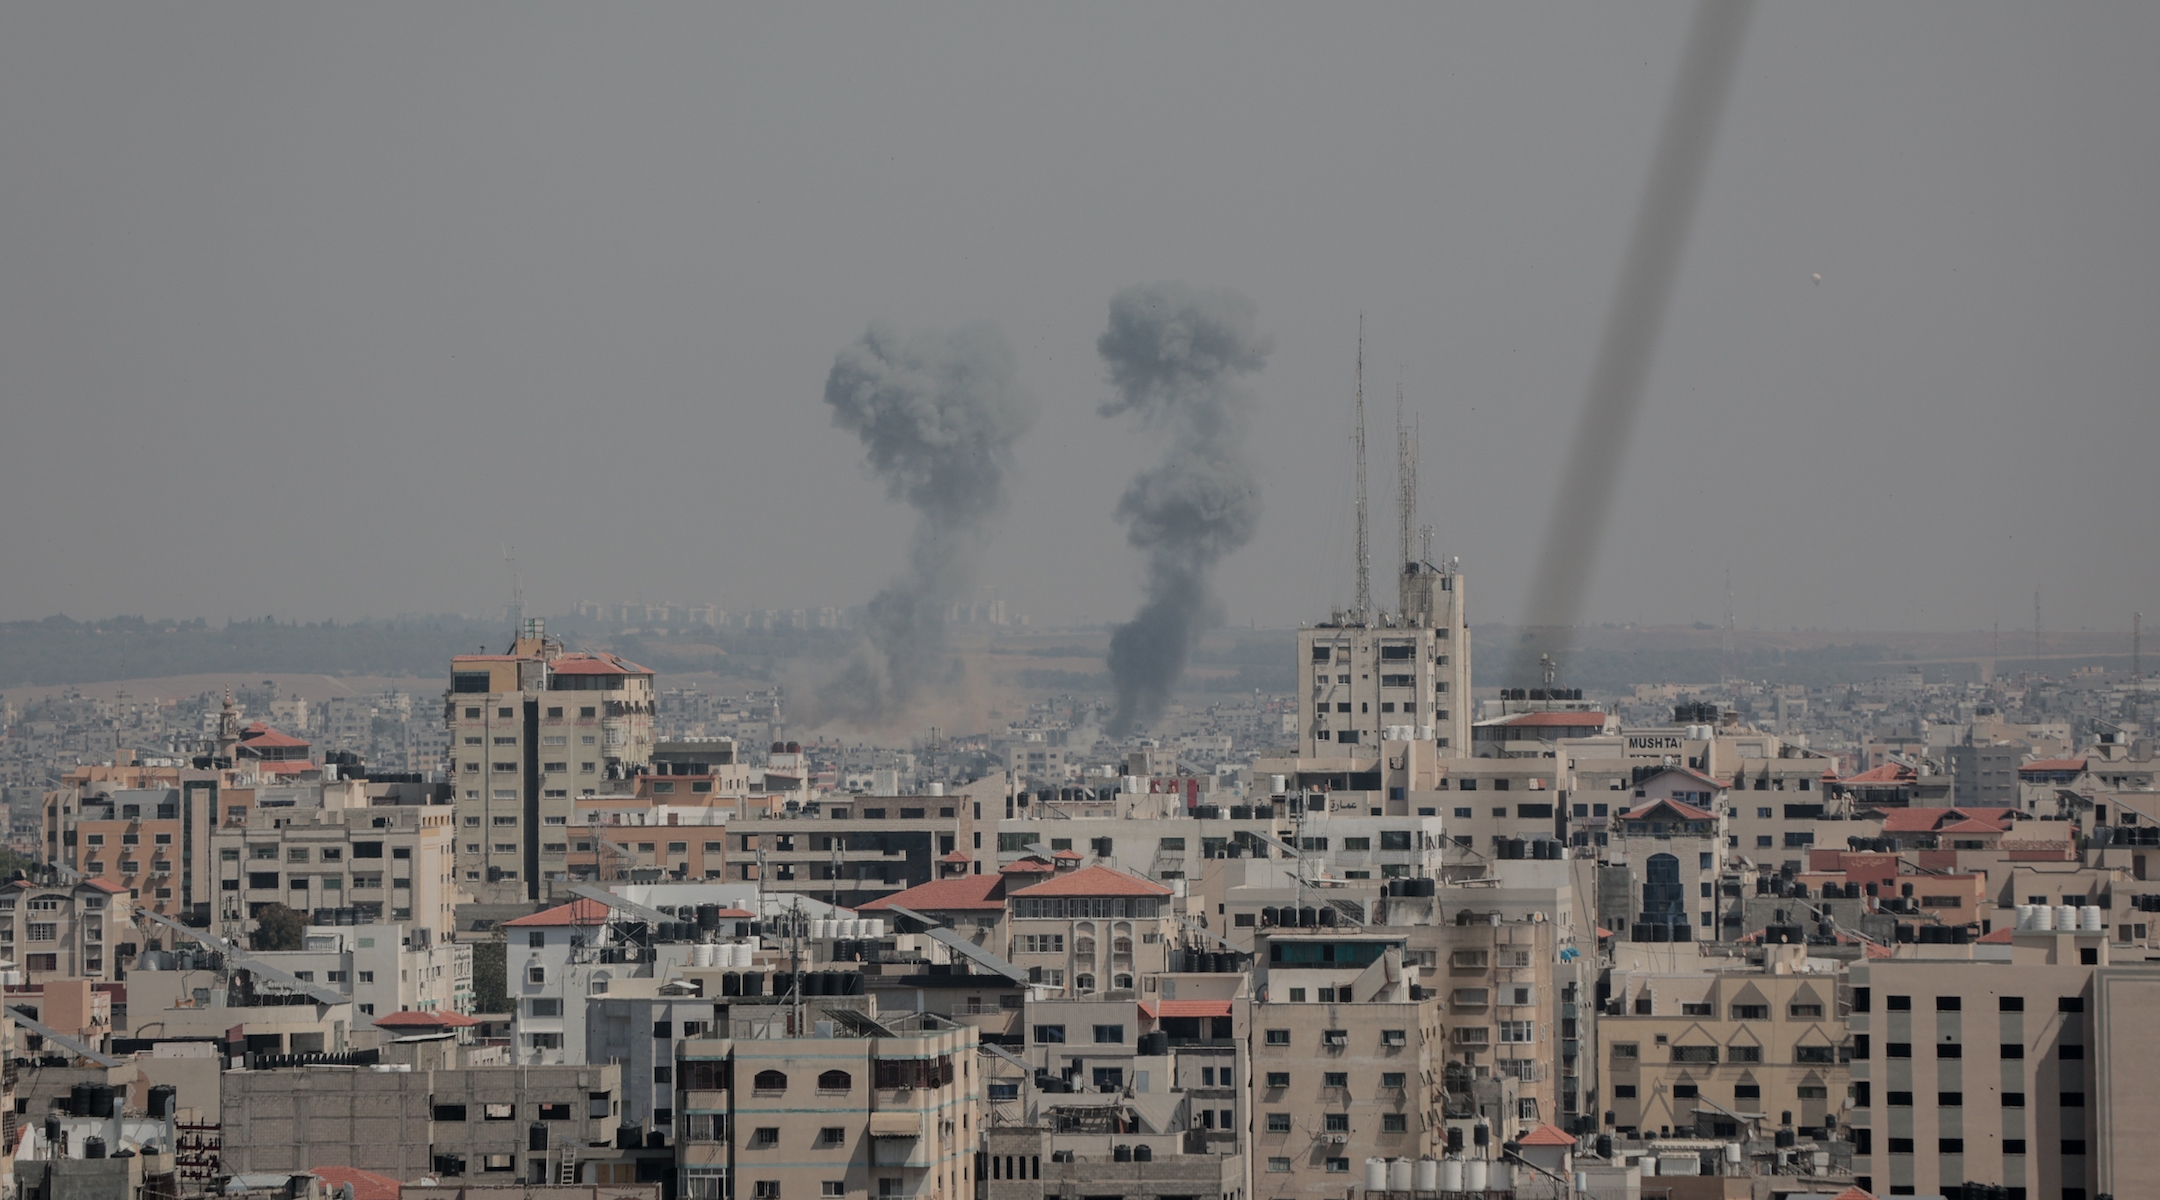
(938, 414)
(1174, 354)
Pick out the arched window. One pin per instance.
(1664, 900)
(1084, 983)
(769, 1081)
(835, 1081)
(1121, 981)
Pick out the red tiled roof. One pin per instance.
(104, 885)
(736, 914)
(1929, 820)
(419, 1019)
(269, 737)
(2053, 764)
(366, 1185)
(1688, 812)
(1998, 937)
(1026, 866)
(1886, 773)
(1546, 1135)
(945, 895)
(1159, 1009)
(1094, 881)
(1853, 1193)
(956, 856)
(1072, 855)
(577, 912)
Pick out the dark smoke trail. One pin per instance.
(1173, 353)
(938, 414)
(1629, 342)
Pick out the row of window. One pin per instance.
(2071, 1147)
(1334, 1039)
(1281, 1122)
(1741, 1091)
(2008, 1050)
(1863, 1001)
(554, 713)
(1393, 1081)
(1803, 1055)
(127, 839)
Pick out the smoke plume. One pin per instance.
(938, 414)
(1174, 354)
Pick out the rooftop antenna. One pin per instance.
(1405, 494)
(1363, 612)
(517, 592)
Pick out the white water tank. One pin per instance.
(854, 926)
(1473, 1175)
(745, 955)
(820, 927)
(937, 789)
(1501, 1177)
(701, 955)
(873, 927)
(1276, 782)
(1732, 1153)
(2043, 917)
(2089, 919)
(1451, 1175)
(1375, 1174)
(2066, 918)
(1398, 1175)
(2024, 916)
(1426, 1178)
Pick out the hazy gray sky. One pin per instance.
(308, 310)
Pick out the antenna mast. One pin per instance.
(517, 593)
(2137, 663)
(1405, 495)
(1364, 548)
(1725, 648)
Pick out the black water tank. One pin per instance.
(655, 1138)
(1328, 916)
(52, 1129)
(1454, 1139)
(1604, 1145)
(1786, 1139)
(1481, 1135)
(79, 1099)
(1143, 1153)
(536, 1136)
(1307, 917)
(708, 916)
(1155, 1045)
(753, 983)
(731, 984)
(93, 1147)
(1121, 1153)
(101, 1100)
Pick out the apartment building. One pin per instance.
(850, 1109)
(2025, 1074)
(1724, 1053)
(1357, 678)
(389, 864)
(385, 968)
(476, 1125)
(852, 850)
(1661, 868)
(144, 829)
(1344, 1059)
(1090, 930)
(65, 930)
(531, 730)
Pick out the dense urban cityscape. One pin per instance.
(1183, 602)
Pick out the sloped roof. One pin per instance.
(1547, 1135)
(1686, 812)
(366, 1185)
(578, 912)
(1929, 820)
(1094, 881)
(419, 1019)
(255, 737)
(1690, 772)
(595, 663)
(945, 895)
(1068, 855)
(1997, 937)
(957, 856)
(1886, 773)
(2053, 764)
(1026, 866)
(1571, 720)
(1185, 1008)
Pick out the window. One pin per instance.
(1335, 1079)
(769, 1081)
(1334, 1037)
(1897, 1049)
(1743, 1054)
(832, 1187)
(1949, 1050)
(765, 1189)
(2013, 1146)
(1900, 1145)
(1278, 1122)
(1392, 1080)
(498, 1112)
(554, 1112)
(1109, 1034)
(2070, 1053)
(1695, 1054)
(449, 1112)
(1949, 1003)
(541, 1006)
(2013, 1050)
(1338, 1166)
(2073, 1147)
(1805, 1012)
(1335, 1122)
(1049, 1034)
(2070, 1004)
(1750, 1012)
(2013, 1099)
(1897, 1003)
(1950, 1145)
(1357, 843)
(1278, 1037)
(1393, 1037)
(1520, 1033)
(1815, 1054)
(1394, 1123)
(1278, 1166)
(764, 1137)
(835, 1081)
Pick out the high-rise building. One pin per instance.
(530, 731)
(1361, 675)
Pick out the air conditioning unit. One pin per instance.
(1336, 1139)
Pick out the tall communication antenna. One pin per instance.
(2137, 662)
(1405, 494)
(517, 592)
(1725, 647)
(1364, 548)
(2036, 631)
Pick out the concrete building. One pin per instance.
(530, 730)
(1728, 1051)
(2022, 1073)
(1091, 930)
(388, 864)
(832, 1112)
(65, 931)
(851, 850)
(1341, 1073)
(1359, 675)
(1985, 774)
(385, 968)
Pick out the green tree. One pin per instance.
(490, 977)
(279, 928)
